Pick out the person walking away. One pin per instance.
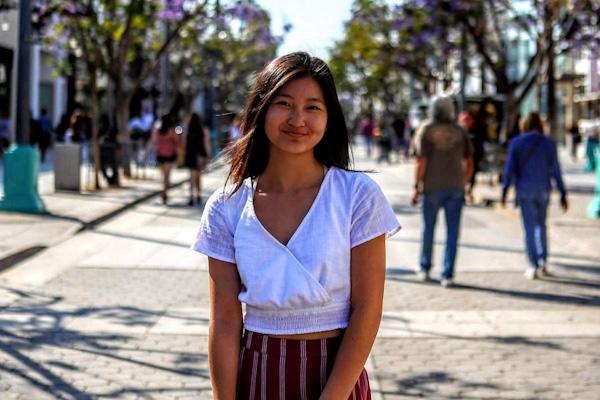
(477, 135)
(300, 239)
(5, 132)
(384, 140)
(368, 131)
(46, 133)
(531, 164)
(62, 127)
(136, 131)
(575, 140)
(197, 153)
(166, 142)
(399, 126)
(444, 166)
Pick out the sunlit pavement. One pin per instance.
(120, 311)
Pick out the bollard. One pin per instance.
(21, 169)
(593, 209)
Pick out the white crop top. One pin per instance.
(304, 286)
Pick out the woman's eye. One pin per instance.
(282, 103)
(314, 108)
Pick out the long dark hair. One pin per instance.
(166, 122)
(196, 125)
(250, 153)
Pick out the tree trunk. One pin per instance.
(551, 92)
(511, 112)
(94, 117)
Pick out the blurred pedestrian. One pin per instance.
(109, 150)
(137, 140)
(367, 130)
(384, 139)
(399, 129)
(166, 142)
(575, 139)
(62, 127)
(46, 133)
(470, 121)
(300, 239)
(5, 132)
(444, 166)
(35, 134)
(531, 164)
(197, 153)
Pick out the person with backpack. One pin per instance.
(531, 164)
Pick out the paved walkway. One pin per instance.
(120, 310)
(22, 235)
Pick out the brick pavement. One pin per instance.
(120, 311)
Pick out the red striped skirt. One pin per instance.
(285, 369)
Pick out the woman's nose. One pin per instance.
(296, 117)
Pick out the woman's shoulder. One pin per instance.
(226, 197)
(356, 183)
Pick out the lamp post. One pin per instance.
(21, 161)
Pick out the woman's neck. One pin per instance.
(289, 173)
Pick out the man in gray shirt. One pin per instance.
(444, 165)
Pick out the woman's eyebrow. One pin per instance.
(291, 97)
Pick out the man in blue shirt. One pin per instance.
(531, 164)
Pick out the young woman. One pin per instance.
(166, 141)
(299, 239)
(197, 153)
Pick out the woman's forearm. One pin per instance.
(353, 352)
(223, 355)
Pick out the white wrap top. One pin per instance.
(303, 286)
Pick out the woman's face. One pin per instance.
(296, 117)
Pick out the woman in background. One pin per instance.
(166, 141)
(197, 153)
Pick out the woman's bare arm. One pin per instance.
(225, 328)
(368, 276)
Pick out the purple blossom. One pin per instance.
(172, 11)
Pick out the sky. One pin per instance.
(316, 23)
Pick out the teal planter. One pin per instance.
(593, 209)
(21, 169)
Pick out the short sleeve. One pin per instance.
(372, 215)
(215, 236)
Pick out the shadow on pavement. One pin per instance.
(591, 269)
(38, 349)
(424, 386)
(583, 300)
(502, 249)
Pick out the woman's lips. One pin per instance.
(294, 133)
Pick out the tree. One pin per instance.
(224, 54)
(383, 48)
(107, 35)
(554, 26)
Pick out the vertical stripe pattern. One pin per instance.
(272, 369)
(263, 369)
(253, 381)
(282, 346)
(323, 367)
(303, 370)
